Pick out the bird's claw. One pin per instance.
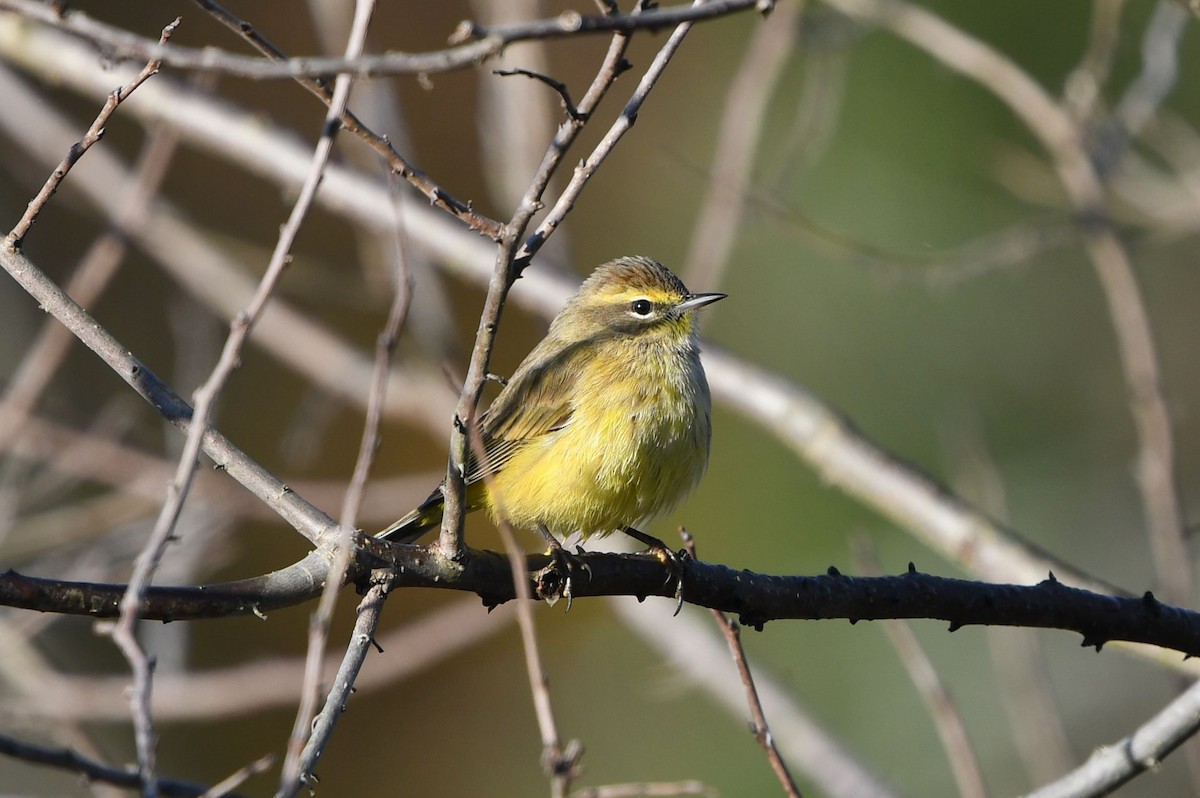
(555, 580)
(673, 560)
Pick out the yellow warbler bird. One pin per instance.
(606, 423)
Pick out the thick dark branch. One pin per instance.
(756, 598)
(258, 595)
(90, 769)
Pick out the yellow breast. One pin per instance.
(636, 446)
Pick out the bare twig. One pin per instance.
(613, 65)
(436, 194)
(95, 271)
(1113, 765)
(693, 650)
(370, 609)
(516, 113)
(1084, 86)
(561, 764)
(758, 718)
(585, 170)
(1160, 71)
(564, 93)
(205, 399)
(189, 256)
(16, 236)
(123, 633)
(66, 759)
(293, 773)
(488, 41)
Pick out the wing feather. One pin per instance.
(538, 401)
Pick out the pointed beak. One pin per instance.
(695, 301)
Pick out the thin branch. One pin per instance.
(16, 236)
(1084, 86)
(561, 764)
(90, 769)
(1143, 100)
(436, 194)
(564, 94)
(613, 65)
(758, 718)
(370, 609)
(123, 635)
(205, 400)
(585, 170)
(293, 775)
(695, 652)
(96, 269)
(217, 279)
(1111, 766)
(473, 43)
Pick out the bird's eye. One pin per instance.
(641, 307)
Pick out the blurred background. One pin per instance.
(900, 246)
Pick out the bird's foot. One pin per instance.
(555, 580)
(673, 560)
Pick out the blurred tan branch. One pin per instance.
(1063, 140)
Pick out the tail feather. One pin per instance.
(428, 515)
(415, 524)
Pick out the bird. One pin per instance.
(604, 425)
